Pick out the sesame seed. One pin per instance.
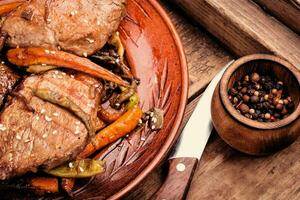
(71, 165)
(48, 119)
(96, 85)
(117, 60)
(1, 125)
(44, 64)
(127, 135)
(98, 23)
(45, 135)
(47, 51)
(117, 104)
(90, 105)
(151, 114)
(85, 54)
(59, 76)
(154, 120)
(56, 114)
(81, 169)
(56, 72)
(37, 117)
(147, 117)
(27, 140)
(2, 128)
(59, 48)
(63, 73)
(72, 13)
(52, 52)
(117, 33)
(140, 121)
(54, 76)
(48, 20)
(72, 76)
(85, 21)
(54, 132)
(43, 110)
(77, 123)
(77, 132)
(18, 137)
(90, 40)
(2, 62)
(143, 139)
(153, 127)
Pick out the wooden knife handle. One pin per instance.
(177, 183)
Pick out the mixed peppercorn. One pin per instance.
(261, 98)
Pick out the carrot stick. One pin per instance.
(25, 57)
(125, 124)
(9, 5)
(45, 184)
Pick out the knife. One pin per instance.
(183, 160)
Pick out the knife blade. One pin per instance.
(190, 146)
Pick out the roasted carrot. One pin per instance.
(7, 6)
(25, 57)
(125, 124)
(45, 184)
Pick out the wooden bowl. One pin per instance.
(244, 134)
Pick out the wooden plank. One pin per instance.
(287, 11)
(224, 173)
(244, 27)
(205, 56)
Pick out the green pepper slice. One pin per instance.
(79, 169)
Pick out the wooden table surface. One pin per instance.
(224, 173)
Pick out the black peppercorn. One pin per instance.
(254, 99)
(261, 97)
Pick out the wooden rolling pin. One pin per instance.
(244, 27)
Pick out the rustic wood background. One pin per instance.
(224, 173)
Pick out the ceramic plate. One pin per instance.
(155, 53)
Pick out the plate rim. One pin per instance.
(175, 132)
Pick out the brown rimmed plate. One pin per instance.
(155, 53)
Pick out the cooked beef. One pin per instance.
(78, 26)
(35, 133)
(8, 80)
(78, 94)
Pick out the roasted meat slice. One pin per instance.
(79, 26)
(8, 80)
(37, 132)
(45, 136)
(77, 93)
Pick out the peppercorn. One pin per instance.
(246, 98)
(279, 107)
(254, 99)
(244, 108)
(244, 90)
(274, 91)
(255, 77)
(267, 115)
